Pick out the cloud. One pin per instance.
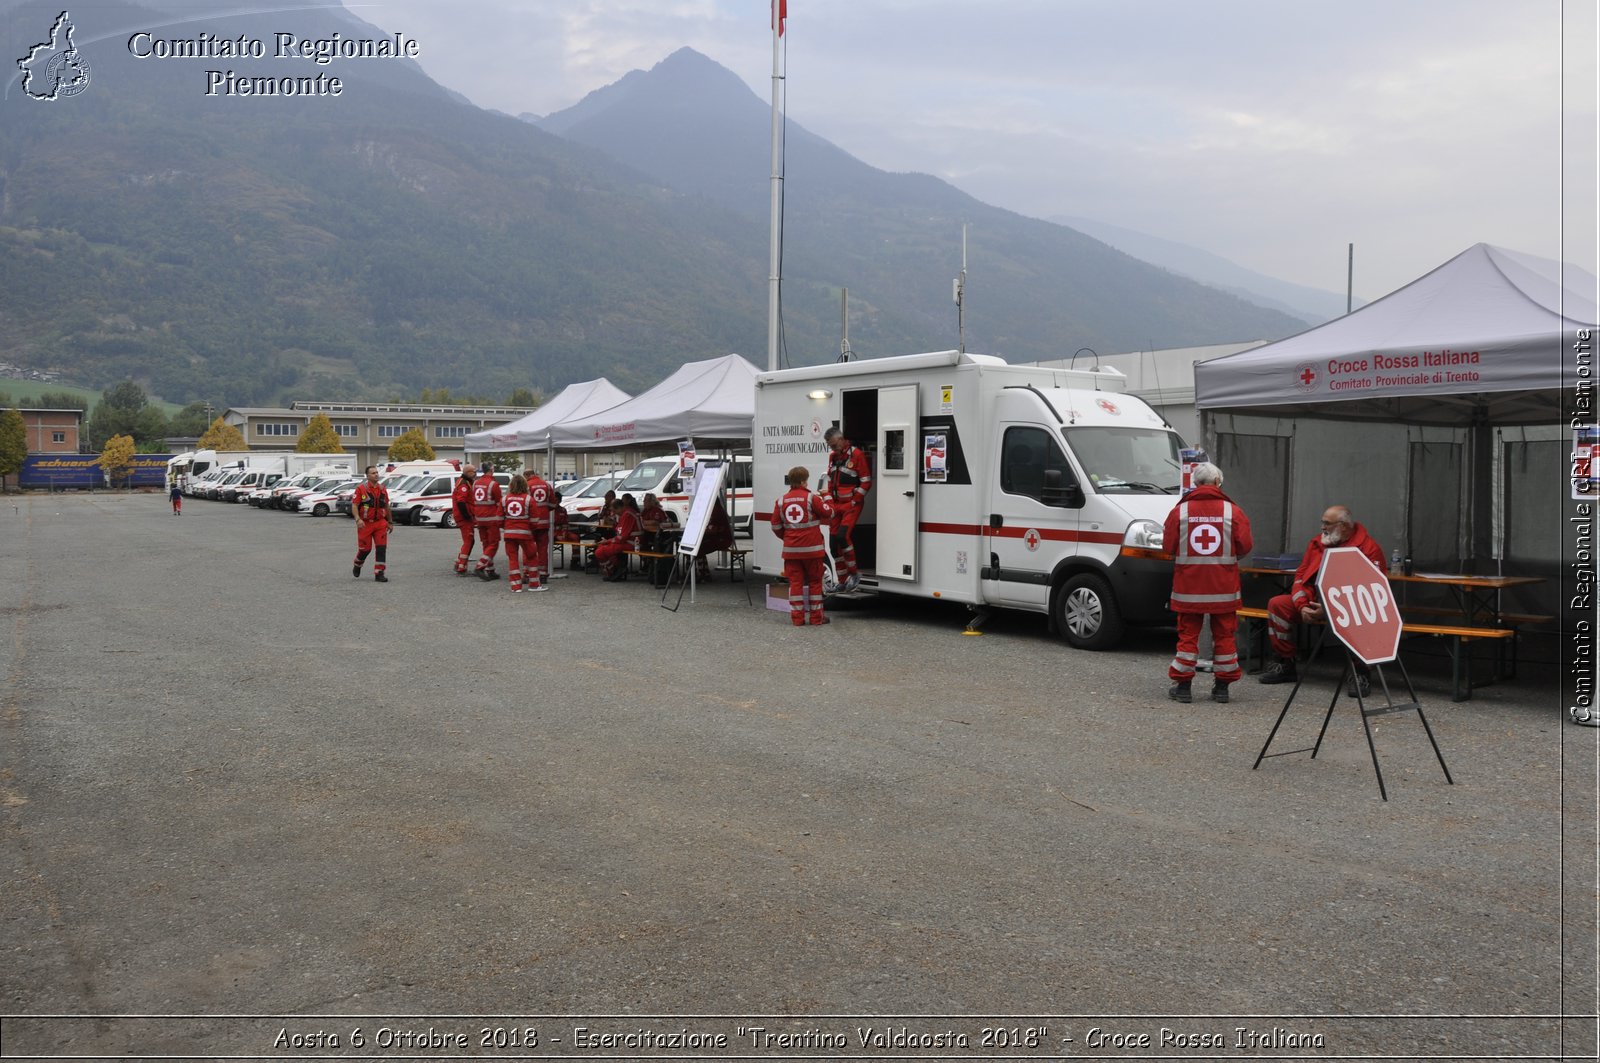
(1267, 132)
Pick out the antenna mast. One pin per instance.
(845, 354)
(960, 295)
(775, 267)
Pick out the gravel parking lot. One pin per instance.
(233, 780)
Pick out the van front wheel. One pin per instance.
(1086, 613)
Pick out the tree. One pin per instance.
(150, 430)
(320, 438)
(501, 462)
(413, 446)
(59, 400)
(13, 444)
(117, 457)
(529, 397)
(125, 396)
(118, 412)
(189, 421)
(222, 436)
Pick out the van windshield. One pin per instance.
(647, 475)
(598, 488)
(1133, 460)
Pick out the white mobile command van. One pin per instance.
(993, 485)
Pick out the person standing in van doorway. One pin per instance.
(798, 519)
(849, 480)
(461, 509)
(374, 519)
(1206, 534)
(486, 518)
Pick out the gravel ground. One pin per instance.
(233, 780)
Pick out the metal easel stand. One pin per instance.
(686, 564)
(1383, 710)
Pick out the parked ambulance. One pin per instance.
(993, 485)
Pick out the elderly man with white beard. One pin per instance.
(1303, 604)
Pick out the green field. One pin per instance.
(22, 390)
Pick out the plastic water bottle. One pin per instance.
(1395, 560)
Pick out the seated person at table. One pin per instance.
(650, 517)
(717, 536)
(612, 553)
(1302, 603)
(607, 517)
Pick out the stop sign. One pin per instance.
(1358, 604)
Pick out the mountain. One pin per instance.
(1035, 289)
(258, 250)
(248, 250)
(1314, 305)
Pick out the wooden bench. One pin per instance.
(1456, 635)
(647, 556)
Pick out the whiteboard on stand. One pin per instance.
(707, 485)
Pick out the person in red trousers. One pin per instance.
(1206, 534)
(798, 519)
(461, 509)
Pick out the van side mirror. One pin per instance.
(1056, 493)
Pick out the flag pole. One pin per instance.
(775, 264)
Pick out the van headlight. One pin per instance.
(1143, 540)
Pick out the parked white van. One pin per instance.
(994, 485)
(662, 477)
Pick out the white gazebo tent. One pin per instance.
(1481, 336)
(711, 403)
(532, 431)
(1473, 357)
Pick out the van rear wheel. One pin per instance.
(1086, 613)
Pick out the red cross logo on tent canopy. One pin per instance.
(1031, 537)
(1305, 376)
(1205, 539)
(1360, 608)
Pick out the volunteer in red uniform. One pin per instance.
(610, 553)
(798, 519)
(651, 516)
(849, 480)
(461, 508)
(486, 518)
(1302, 602)
(516, 510)
(1206, 534)
(374, 518)
(541, 496)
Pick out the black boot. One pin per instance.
(1282, 671)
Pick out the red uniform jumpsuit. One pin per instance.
(486, 516)
(849, 480)
(609, 553)
(1206, 534)
(461, 507)
(518, 531)
(541, 496)
(1284, 610)
(370, 504)
(797, 519)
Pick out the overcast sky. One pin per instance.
(1271, 132)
